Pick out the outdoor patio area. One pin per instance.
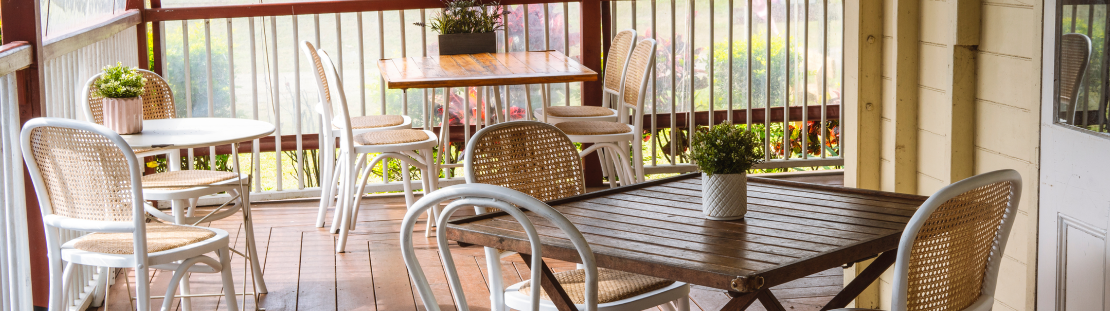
(304, 273)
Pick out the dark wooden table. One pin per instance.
(656, 228)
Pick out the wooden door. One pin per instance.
(1074, 189)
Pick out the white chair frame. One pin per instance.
(500, 298)
(184, 201)
(500, 198)
(616, 145)
(181, 260)
(418, 154)
(607, 90)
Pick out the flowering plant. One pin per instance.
(726, 149)
(467, 16)
(120, 81)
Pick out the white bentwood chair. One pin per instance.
(328, 134)
(616, 63)
(949, 254)
(182, 187)
(500, 198)
(410, 146)
(614, 137)
(88, 179)
(539, 160)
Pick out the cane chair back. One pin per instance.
(509, 201)
(84, 174)
(636, 80)
(616, 61)
(157, 99)
(321, 79)
(1075, 55)
(950, 252)
(527, 156)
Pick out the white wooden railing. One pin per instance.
(252, 69)
(15, 266)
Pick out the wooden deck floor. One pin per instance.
(303, 272)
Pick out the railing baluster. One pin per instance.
(566, 50)
(208, 85)
(767, 90)
(276, 99)
(824, 75)
(256, 157)
(751, 84)
(361, 67)
(786, 148)
(805, 80)
(231, 70)
(297, 103)
(654, 89)
(188, 83)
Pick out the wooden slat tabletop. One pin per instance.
(656, 228)
(484, 69)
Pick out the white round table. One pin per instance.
(166, 136)
(196, 132)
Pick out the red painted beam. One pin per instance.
(299, 8)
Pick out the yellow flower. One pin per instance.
(152, 164)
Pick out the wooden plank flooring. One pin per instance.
(303, 272)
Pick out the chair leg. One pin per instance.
(360, 189)
(337, 192)
(343, 210)
(101, 286)
(229, 284)
(682, 304)
(252, 246)
(142, 287)
(186, 303)
(327, 186)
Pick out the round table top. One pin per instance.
(197, 132)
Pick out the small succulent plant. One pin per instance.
(467, 16)
(120, 81)
(726, 149)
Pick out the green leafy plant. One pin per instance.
(120, 81)
(468, 16)
(726, 149)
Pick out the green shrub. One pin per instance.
(467, 16)
(120, 81)
(726, 149)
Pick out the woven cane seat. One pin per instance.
(578, 111)
(391, 137)
(159, 237)
(186, 179)
(369, 122)
(593, 128)
(612, 285)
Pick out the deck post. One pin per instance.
(22, 23)
(591, 12)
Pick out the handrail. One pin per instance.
(300, 8)
(14, 56)
(59, 45)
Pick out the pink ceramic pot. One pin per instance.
(124, 115)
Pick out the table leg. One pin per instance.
(551, 285)
(864, 279)
(745, 300)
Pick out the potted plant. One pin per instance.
(467, 27)
(121, 87)
(724, 154)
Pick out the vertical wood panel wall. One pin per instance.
(959, 95)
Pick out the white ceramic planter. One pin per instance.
(724, 196)
(123, 115)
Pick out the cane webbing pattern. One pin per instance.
(529, 157)
(612, 285)
(157, 99)
(637, 66)
(85, 174)
(369, 122)
(390, 137)
(948, 261)
(614, 60)
(159, 237)
(578, 111)
(593, 127)
(1075, 52)
(183, 179)
(319, 65)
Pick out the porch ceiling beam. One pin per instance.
(300, 8)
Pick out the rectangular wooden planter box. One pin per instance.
(468, 43)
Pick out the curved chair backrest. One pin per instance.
(157, 99)
(337, 101)
(86, 179)
(1075, 55)
(636, 81)
(949, 254)
(527, 156)
(497, 197)
(616, 60)
(322, 87)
